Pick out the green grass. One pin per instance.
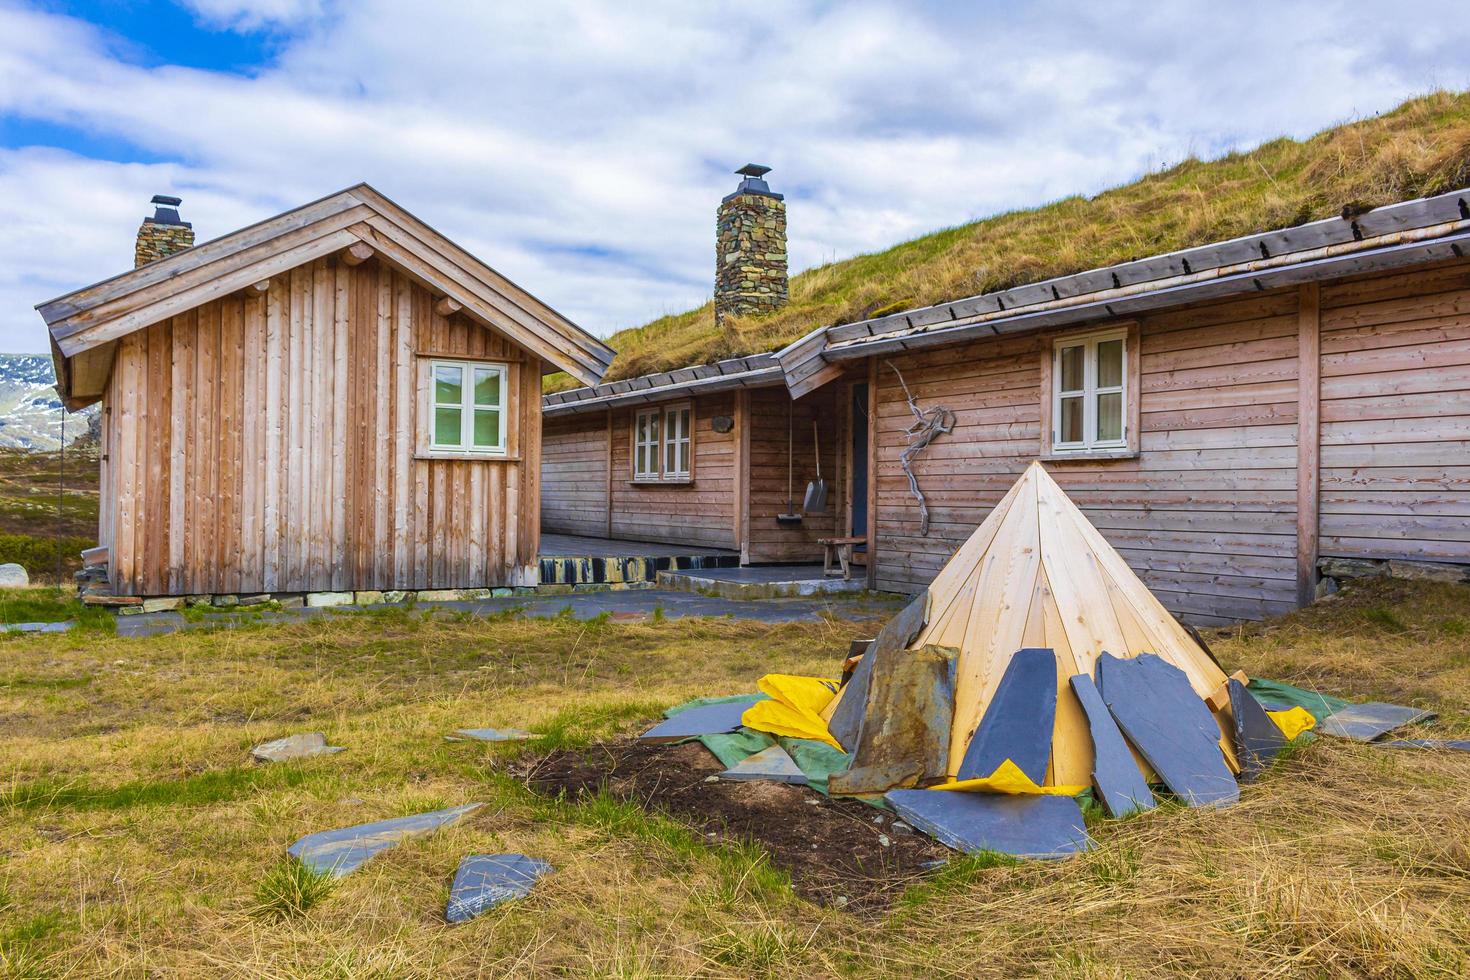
(50, 605)
(1420, 148)
(38, 523)
(289, 890)
(137, 839)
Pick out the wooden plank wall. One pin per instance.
(699, 513)
(574, 472)
(769, 541)
(264, 442)
(1205, 514)
(1396, 416)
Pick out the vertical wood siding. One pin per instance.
(265, 442)
(1396, 416)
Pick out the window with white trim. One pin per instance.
(1089, 392)
(646, 444)
(467, 407)
(663, 443)
(676, 443)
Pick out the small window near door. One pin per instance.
(1090, 397)
(663, 444)
(468, 408)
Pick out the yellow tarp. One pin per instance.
(1009, 779)
(795, 708)
(1293, 721)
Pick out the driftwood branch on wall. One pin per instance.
(927, 426)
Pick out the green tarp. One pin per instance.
(1277, 695)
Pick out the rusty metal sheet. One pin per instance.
(904, 739)
(846, 722)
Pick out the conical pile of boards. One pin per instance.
(1036, 665)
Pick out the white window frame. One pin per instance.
(651, 455)
(647, 452)
(467, 406)
(683, 414)
(1090, 443)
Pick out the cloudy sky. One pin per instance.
(581, 147)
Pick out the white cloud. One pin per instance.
(581, 148)
(250, 15)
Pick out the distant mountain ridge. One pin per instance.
(30, 410)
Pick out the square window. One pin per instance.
(468, 409)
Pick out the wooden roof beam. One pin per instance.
(447, 306)
(357, 253)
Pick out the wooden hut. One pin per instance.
(714, 456)
(336, 399)
(1233, 418)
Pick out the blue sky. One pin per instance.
(581, 147)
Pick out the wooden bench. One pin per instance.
(837, 555)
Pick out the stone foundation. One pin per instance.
(1347, 569)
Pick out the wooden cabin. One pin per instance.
(708, 456)
(1232, 418)
(336, 399)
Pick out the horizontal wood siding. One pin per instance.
(1206, 512)
(265, 442)
(697, 513)
(770, 541)
(1396, 416)
(574, 474)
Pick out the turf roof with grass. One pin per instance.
(1419, 149)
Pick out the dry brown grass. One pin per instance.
(133, 835)
(1420, 148)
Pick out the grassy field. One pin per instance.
(1421, 148)
(137, 840)
(36, 520)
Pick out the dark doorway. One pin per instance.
(858, 412)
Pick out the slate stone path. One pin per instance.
(634, 604)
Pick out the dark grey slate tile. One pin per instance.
(1115, 774)
(1019, 721)
(1022, 826)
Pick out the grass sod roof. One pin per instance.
(1419, 149)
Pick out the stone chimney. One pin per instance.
(164, 233)
(750, 248)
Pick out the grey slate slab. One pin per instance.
(340, 852)
(1115, 773)
(772, 765)
(483, 881)
(302, 746)
(904, 740)
(1257, 739)
(847, 721)
(1453, 744)
(36, 627)
(709, 719)
(1160, 713)
(1022, 826)
(1020, 719)
(491, 734)
(1366, 722)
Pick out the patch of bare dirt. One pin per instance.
(837, 852)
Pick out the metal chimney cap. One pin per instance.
(172, 202)
(753, 170)
(166, 211)
(753, 184)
